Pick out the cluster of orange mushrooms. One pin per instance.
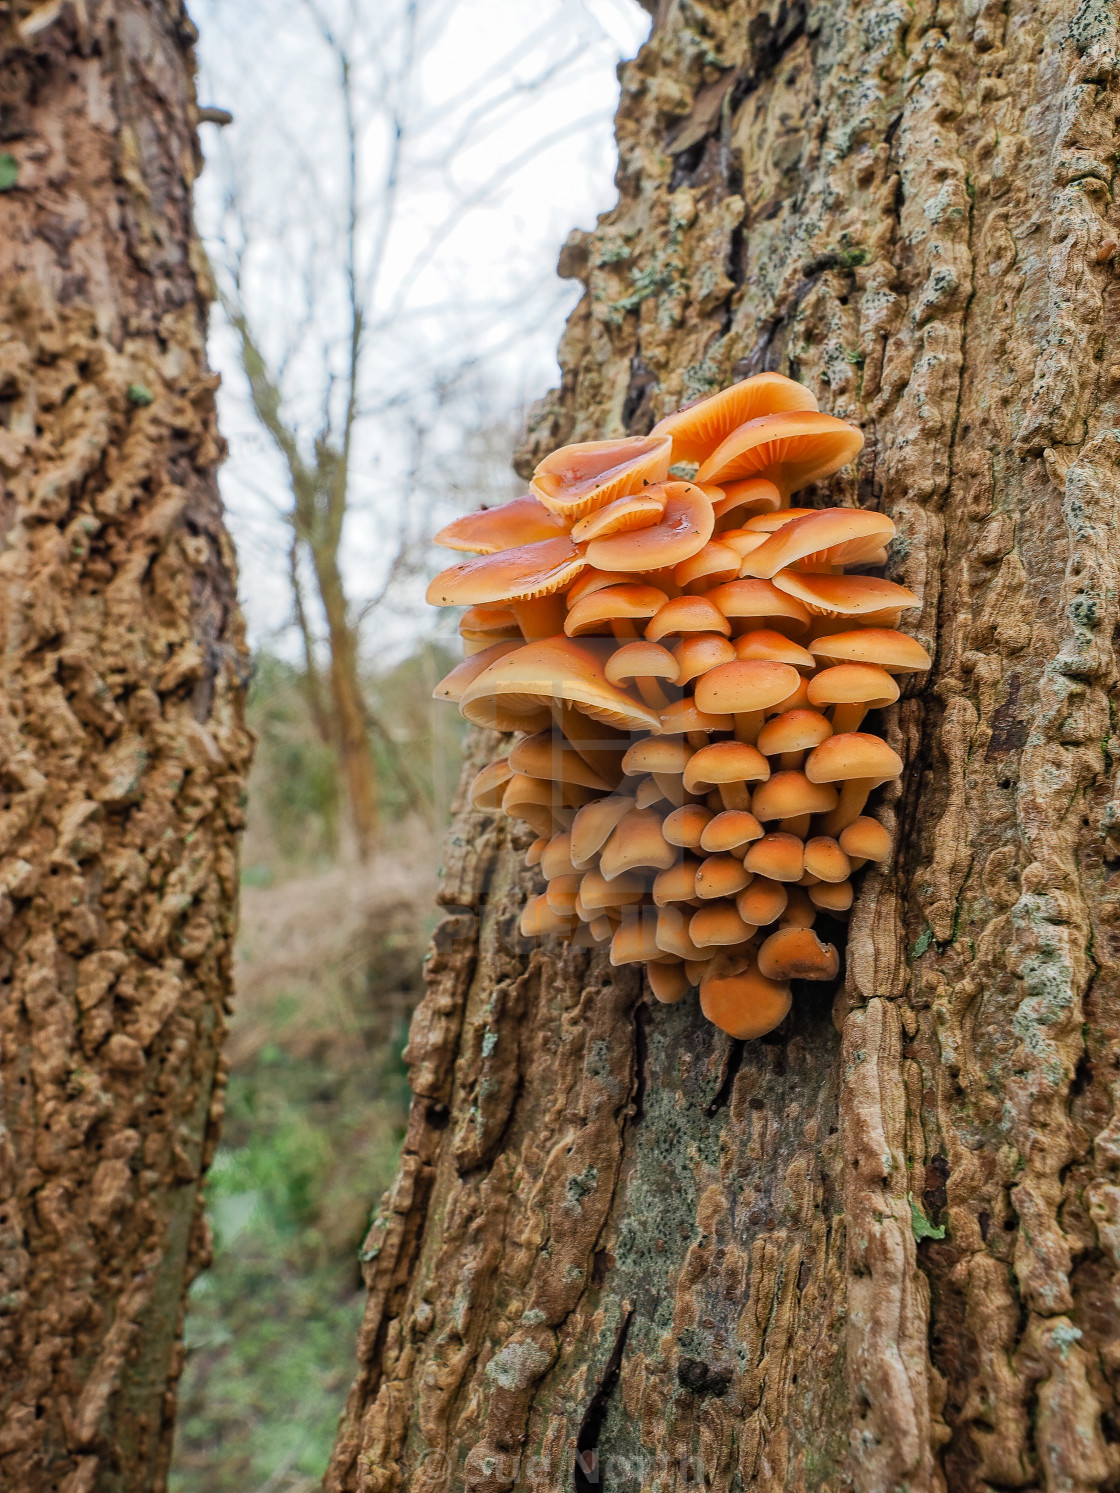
(688, 667)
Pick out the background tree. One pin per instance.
(879, 1248)
(122, 749)
(350, 178)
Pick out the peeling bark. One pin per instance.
(122, 746)
(878, 1249)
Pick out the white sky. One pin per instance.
(525, 89)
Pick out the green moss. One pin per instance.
(921, 1225)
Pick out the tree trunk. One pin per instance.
(878, 1249)
(122, 747)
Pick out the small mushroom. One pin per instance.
(852, 690)
(636, 841)
(832, 896)
(452, 685)
(797, 954)
(819, 540)
(577, 479)
(894, 651)
(741, 1001)
(825, 860)
(635, 512)
(846, 595)
(598, 894)
(791, 450)
(792, 798)
(613, 609)
(715, 562)
(730, 830)
(684, 528)
(490, 784)
(656, 754)
(538, 920)
(522, 521)
(527, 578)
(760, 600)
(720, 876)
(683, 719)
(561, 894)
(687, 614)
(793, 733)
(745, 689)
(535, 851)
(700, 427)
(727, 766)
(744, 499)
(677, 883)
(547, 755)
(799, 911)
(673, 936)
(772, 647)
(685, 826)
(719, 925)
(777, 856)
(860, 762)
(516, 687)
(700, 651)
(762, 902)
(593, 826)
(865, 839)
(481, 627)
(556, 856)
(635, 938)
(645, 664)
(668, 981)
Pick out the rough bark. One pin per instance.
(122, 746)
(882, 1253)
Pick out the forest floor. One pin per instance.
(328, 969)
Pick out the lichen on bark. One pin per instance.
(621, 1246)
(122, 745)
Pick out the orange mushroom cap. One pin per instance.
(787, 795)
(827, 536)
(825, 859)
(673, 935)
(894, 651)
(516, 687)
(539, 920)
(656, 754)
(685, 826)
(635, 938)
(742, 541)
(729, 830)
(852, 754)
(636, 840)
(791, 449)
(714, 563)
(547, 755)
(596, 892)
(595, 611)
(594, 580)
(495, 624)
(556, 856)
(522, 521)
(725, 762)
(755, 495)
(697, 652)
(452, 685)
(698, 428)
(745, 685)
(769, 523)
(577, 479)
(683, 529)
(762, 902)
(753, 598)
(832, 896)
(527, 571)
(668, 981)
(720, 876)
(797, 954)
(685, 614)
(743, 1002)
(677, 883)
(777, 856)
(853, 684)
(637, 511)
(641, 660)
(682, 716)
(866, 839)
(719, 924)
(490, 784)
(794, 731)
(774, 647)
(844, 595)
(593, 825)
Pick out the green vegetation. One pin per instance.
(329, 969)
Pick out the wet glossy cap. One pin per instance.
(523, 521)
(699, 428)
(577, 479)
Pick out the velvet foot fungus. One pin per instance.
(691, 669)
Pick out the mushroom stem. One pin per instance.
(735, 796)
(624, 629)
(671, 787)
(542, 617)
(696, 739)
(853, 796)
(848, 717)
(798, 825)
(791, 761)
(748, 723)
(652, 693)
(591, 742)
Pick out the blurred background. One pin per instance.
(388, 185)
